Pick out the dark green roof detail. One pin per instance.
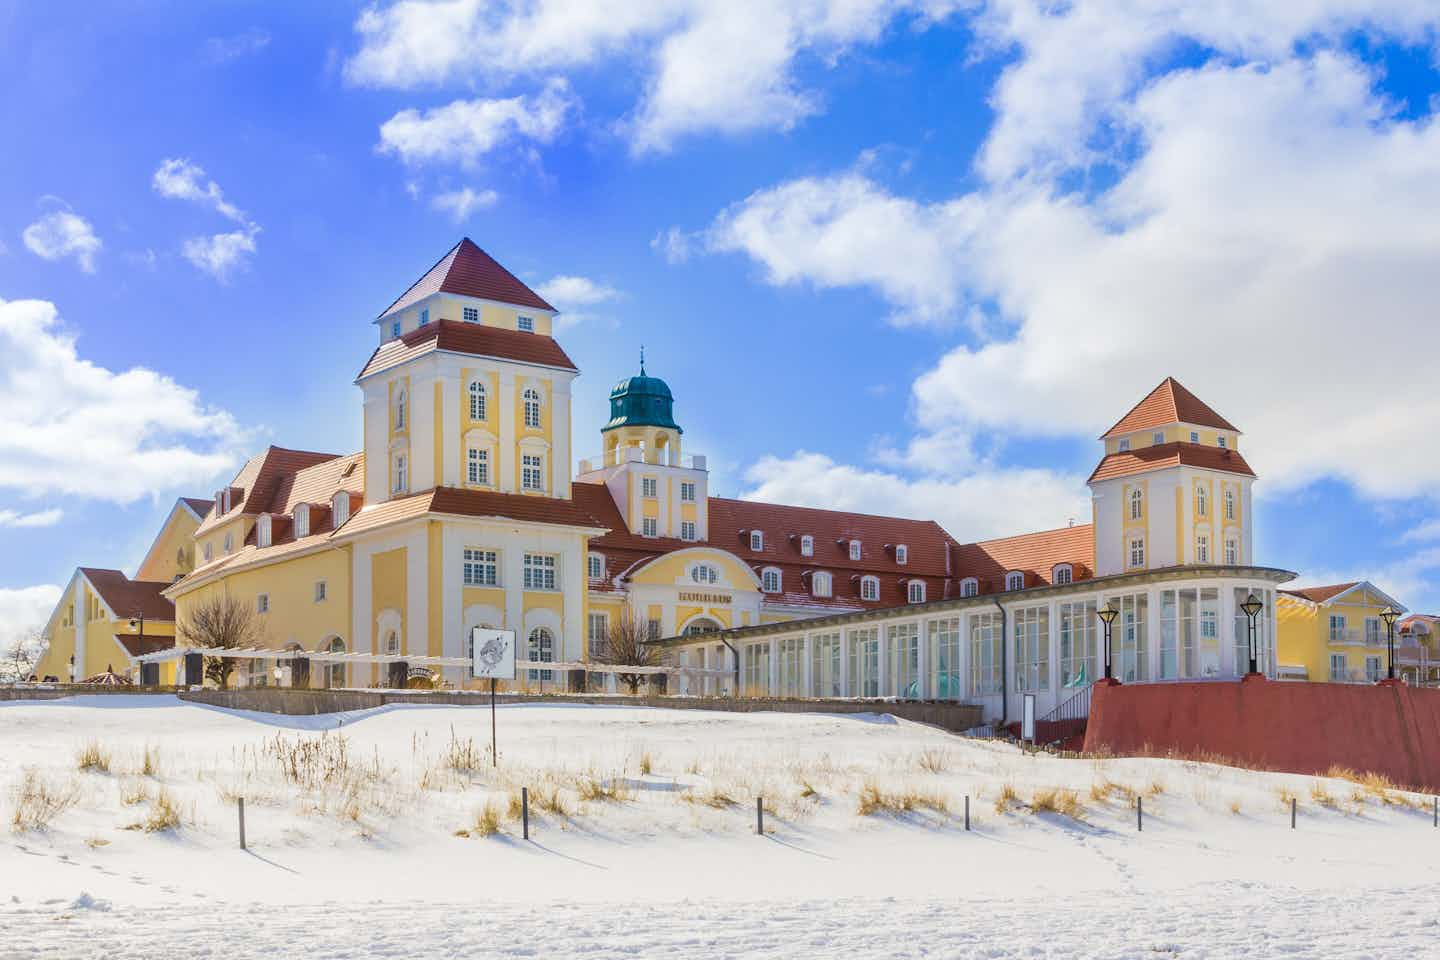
(642, 401)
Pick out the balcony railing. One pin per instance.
(1358, 636)
(661, 457)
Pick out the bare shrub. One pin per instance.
(220, 621)
(626, 645)
(38, 801)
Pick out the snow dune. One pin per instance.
(369, 835)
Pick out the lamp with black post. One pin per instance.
(1389, 615)
(1252, 607)
(1107, 615)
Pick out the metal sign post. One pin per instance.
(493, 656)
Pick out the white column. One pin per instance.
(883, 645)
(560, 465)
(844, 662)
(422, 433)
(449, 433)
(774, 668)
(1152, 633)
(807, 666)
(417, 599)
(452, 625)
(924, 684)
(572, 583)
(377, 447)
(512, 561)
(507, 457)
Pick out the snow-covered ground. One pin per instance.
(368, 837)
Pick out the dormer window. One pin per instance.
(302, 521)
(262, 531)
(821, 584)
(915, 591)
(869, 588)
(340, 509)
(1123, 445)
(424, 316)
(969, 587)
(395, 329)
(757, 540)
(770, 580)
(225, 500)
(1194, 436)
(470, 314)
(1158, 437)
(1062, 574)
(1014, 580)
(902, 554)
(595, 566)
(854, 549)
(525, 324)
(1220, 441)
(807, 546)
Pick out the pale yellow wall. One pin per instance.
(174, 551)
(1173, 434)
(102, 650)
(1303, 632)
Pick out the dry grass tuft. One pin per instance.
(463, 756)
(933, 760)
(874, 800)
(150, 761)
(647, 764)
(485, 824)
(1284, 795)
(1235, 807)
(38, 801)
(95, 843)
(1320, 795)
(551, 800)
(133, 792)
(1055, 800)
(1008, 798)
(597, 788)
(1156, 787)
(164, 814)
(92, 756)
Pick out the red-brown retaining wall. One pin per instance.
(1293, 727)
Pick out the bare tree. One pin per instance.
(18, 658)
(625, 646)
(224, 622)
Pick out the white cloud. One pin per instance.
(463, 202)
(575, 297)
(244, 44)
(987, 503)
(463, 131)
(74, 427)
(1409, 579)
(1429, 530)
(62, 233)
(220, 254)
(42, 518)
(25, 610)
(709, 65)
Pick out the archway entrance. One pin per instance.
(700, 625)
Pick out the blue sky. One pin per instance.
(893, 255)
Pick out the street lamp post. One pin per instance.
(1107, 615)
(1389, 615)
(1252, 607)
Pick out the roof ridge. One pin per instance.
(1033, 533)
(420, 279)
(847, 513)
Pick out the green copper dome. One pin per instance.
(642, 401)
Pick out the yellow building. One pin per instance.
(1334, 633)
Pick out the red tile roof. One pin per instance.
(1164, 455)
(468, 271)
(1033, 554)
(476, 340)
(511, 506)
(130, 598)
(140, 644)
(258, 481)
(1321, 594)
(1167, 404)
(201, 507)
(318, 485)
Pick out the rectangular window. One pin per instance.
(1031, 630)
(854, 549)
(825, 666)
(526, 324)
(262, 603)
(865, 662)
(756, 670)
(1220, 442)
(1372, 630)
(649, 527)
(532, 472)
(1157, 437)
(757, 540)
(395, 329)
(482, 568)
(652, 629)
(539, 571)
(985, 639)
(320, 591)
(1137, 552)
(770, 581)
(401, 477)
(478, 466)
(791, 651)
(687, 491)
(1339, 669)
(424, 316)
(597, 633)
(1232, 552)
(1078, 625)
(1129, 640)
(649, 488)
(1186, 617)
(1202, 549)
(1194, 436)
(807, 546)
(969, 587)
(944, 640)
(903, 641)
(869, 588)
(1123, 445)
(1374, 671)
(471, 314)
(687, 529)
(1337, 628)
(902, 554)
(915, 591)
(594, 566)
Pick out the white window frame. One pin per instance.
(1220, 441)
(1374, 669)
(1157, 437)
(302, 520)
(470, 314)
(262, 603)
(477, 466)
(1014, 580)
(822, 584)
(1137, 504)
(757, 540)
(1343, 673)
(688, 530)
(1202, 500)
(1232, 552)
(855, 549)
(532, 471)
(229, 543)
(687, 491)
(766, 576)
(1062, 573)
(649, 526)
(1135, 553)
(1335, 628)
(209, 552)
(531, 401)
(1194, 436)
(541, 572)
(597, 633)
(400, 473)
(424, 316)
(480, 567)
(902, 554)
(400, 412)
(1202, 548)
(807, 545)
(322, 591)
(1123, 445)
(915, 591)
(650, 488)
(339, 509)
(869, 588)
(264, 535)
(525, 324)
(1229, 504)
(704, 573)
(595, 566)
(479, 401)
(970, 587)
(395, 329)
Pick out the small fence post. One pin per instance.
(240, 804)
(1437, 811)
(760, 815)
(525, 812)
(1139, 814)
(967, 811)
(1292, 813)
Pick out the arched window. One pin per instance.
(532, 407)
(915, 591)
(1229, 504)
(770, 580)
(869, 586)
(1200, 500)
(392, 641)
(400, 409)
(700, 625)
(477, 467)
(821, 584)
(334, 672)
(477, 400)
(1014, 580)
(541, 649)
(704, 573)
(262, 531)
(340, 509)
(1062, 574)
(969, 587)
(1137, 504)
